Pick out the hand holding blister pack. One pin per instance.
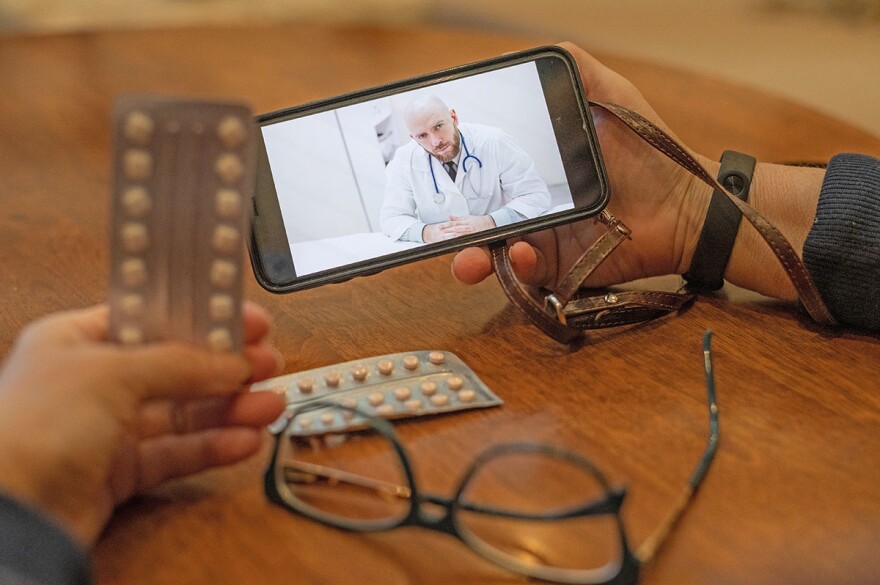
(183, 176)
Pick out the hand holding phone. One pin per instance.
(478, 153)
(661, 202)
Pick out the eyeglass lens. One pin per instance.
(522, 506)
(353, 478)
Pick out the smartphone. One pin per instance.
(355, 184)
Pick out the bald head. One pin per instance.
(425, 105)
(433, 126)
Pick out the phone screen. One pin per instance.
(367, 181)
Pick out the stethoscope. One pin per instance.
(441, 197)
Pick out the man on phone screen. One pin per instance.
(456, 178)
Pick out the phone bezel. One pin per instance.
(374, 265)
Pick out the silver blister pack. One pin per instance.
(183, 177)
(398, 385)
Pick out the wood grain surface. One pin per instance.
(793, 494)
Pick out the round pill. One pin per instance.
(229, 168)
(359, 373)
(221, 307)
(280, 391)
(231, 132)
(304, 422)
(227, 203)
(402, 393)
(138, 127)
(428, 387)
(385, 409)
(440, 400)
(131, 335)
(137, 164)
(133, 272)
(349, 403)
(327, 418)
(467, 395)
(385, 367)
(132, 305)
(305, 385)
(413, 404)
(332, 379)
(455, 382)
(376, 398)
(220, 339)
(135, 238)
(411, 362)
(226, 239)
(223, 273)
(136, 201)
(436, 357)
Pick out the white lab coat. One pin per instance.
(507, 178)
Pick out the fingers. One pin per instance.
(89, 324)
(600, 82)
(473, 265)
(180, 371)
(92, 324)
(257, 322)
(457, 230)
(265, 361)
(173, 456)
(165, 417)
(527, 263)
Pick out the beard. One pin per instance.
(449, 153)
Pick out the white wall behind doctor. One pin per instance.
(313, 177)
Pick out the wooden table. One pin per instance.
(794, 493)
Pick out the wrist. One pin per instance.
(787, 197)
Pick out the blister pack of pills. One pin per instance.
(183, 177)
(399, 385)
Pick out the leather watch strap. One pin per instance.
(525, 301)
(722, 223)
(593, 257)
(564, 316)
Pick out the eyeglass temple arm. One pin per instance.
(302, 472)
(652, 544)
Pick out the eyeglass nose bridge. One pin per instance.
(443, 520)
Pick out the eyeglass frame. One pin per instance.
(626, 571)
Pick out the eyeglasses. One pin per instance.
(534, 509)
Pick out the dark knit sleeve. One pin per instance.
(34, 550)
(842, 251)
